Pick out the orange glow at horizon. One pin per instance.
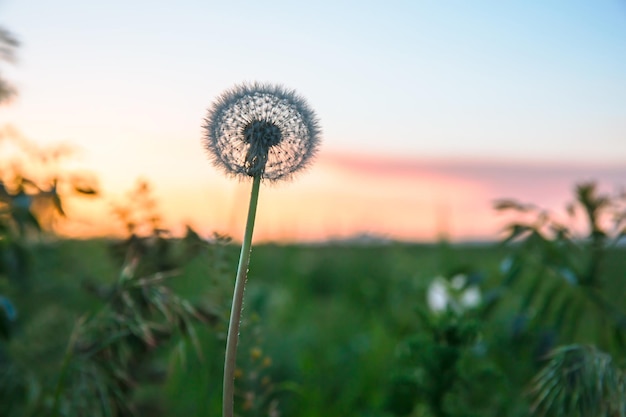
(338, 199)
(346, 196)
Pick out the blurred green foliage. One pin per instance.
(569, 275)
(445, 370)
(78, 338)
(579, 381)
(569, 272)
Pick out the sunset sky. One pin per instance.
(430, 110)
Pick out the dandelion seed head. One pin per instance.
(261, 130)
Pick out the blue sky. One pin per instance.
(526, 79)
(130, 81)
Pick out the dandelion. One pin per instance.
(263, 132)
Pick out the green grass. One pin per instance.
(330, 318)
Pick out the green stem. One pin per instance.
(235, 314)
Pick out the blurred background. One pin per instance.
(456, 250)
(429, 111)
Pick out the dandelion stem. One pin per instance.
(235, 314)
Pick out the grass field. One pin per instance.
(331, 318)
(324, 326)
